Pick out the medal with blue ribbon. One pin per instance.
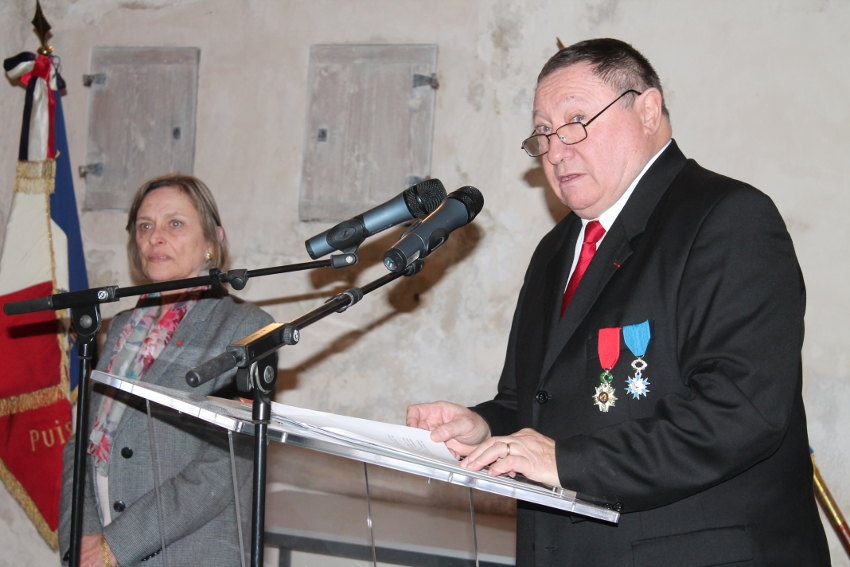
(608, 347)
(637, 338)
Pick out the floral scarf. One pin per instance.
(150, 328)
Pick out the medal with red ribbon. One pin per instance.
(608, 346)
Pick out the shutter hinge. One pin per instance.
(426, 80)
(95, 169)
(98, 79)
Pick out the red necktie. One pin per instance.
(593, 232)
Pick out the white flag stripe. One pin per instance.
(26, 258)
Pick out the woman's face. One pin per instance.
(169, 236)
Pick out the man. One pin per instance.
(671, 382)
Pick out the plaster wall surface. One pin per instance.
(757, 90)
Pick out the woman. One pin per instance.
(177, 491)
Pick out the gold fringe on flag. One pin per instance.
(20, 494)
(36, 177)
(33, 400)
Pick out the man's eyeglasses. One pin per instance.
(569, 134)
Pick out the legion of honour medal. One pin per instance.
(608, 347)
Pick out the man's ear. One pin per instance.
(650, 104)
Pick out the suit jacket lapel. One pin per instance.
(614, 251)
(191, 326)
(558, 270)
(190, 329)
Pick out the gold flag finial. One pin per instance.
(559, 43)
(42, 28)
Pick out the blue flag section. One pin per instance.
(63, 212)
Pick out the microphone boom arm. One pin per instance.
(94, 296)
(246, 351)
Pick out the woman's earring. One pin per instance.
(208, 256)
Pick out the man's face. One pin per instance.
(591, 175)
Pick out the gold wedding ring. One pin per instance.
(509, 449)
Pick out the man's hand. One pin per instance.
(460, 428)
(525, 452)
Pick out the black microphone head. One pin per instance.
(423, 198)
(471, 198)
(427, 235)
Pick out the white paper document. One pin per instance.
(405, 439)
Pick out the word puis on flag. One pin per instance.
(42, 254)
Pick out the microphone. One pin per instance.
(416, 201)
(459, 208)
(66, 300)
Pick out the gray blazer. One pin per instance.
(187, 468)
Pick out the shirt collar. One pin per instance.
(607, 218)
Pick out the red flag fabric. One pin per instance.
(35, 411)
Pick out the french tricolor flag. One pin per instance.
(42, 255)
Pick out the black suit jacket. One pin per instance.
(712, 466)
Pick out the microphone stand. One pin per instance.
(252, 353)
(86, 321)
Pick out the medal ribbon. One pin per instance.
(637, 337)
(608, 347)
